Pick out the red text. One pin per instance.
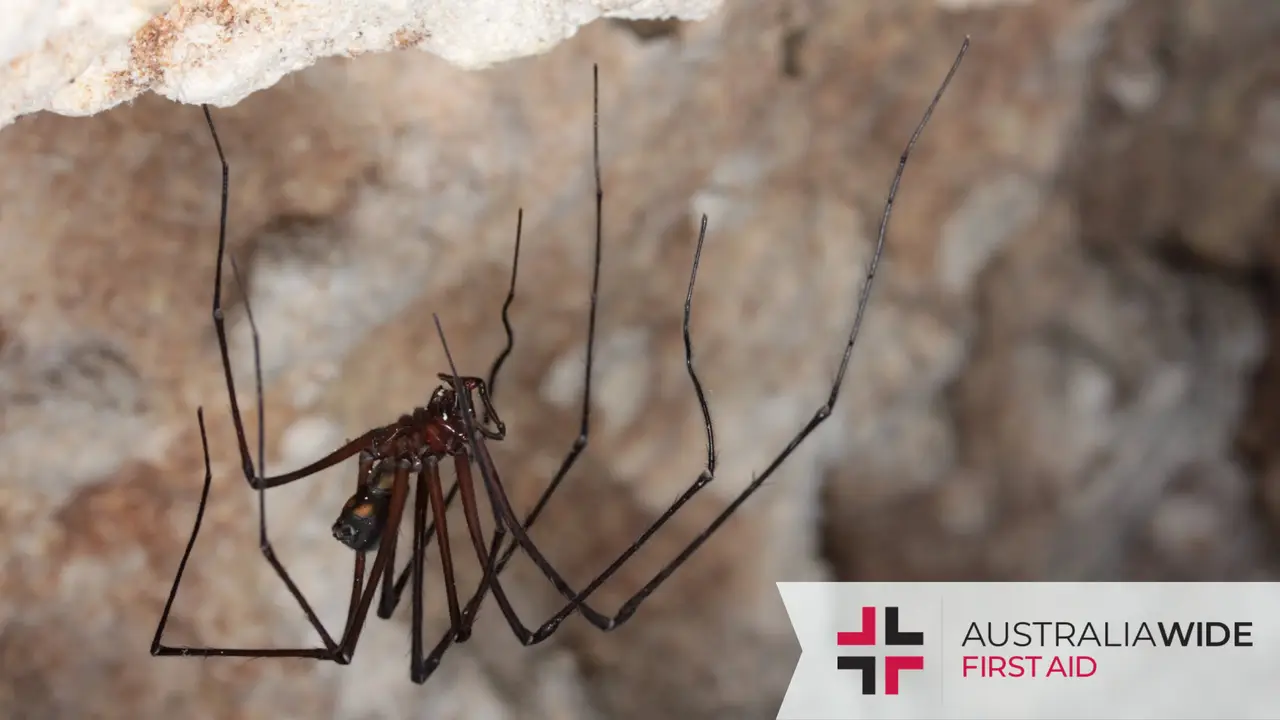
(1034, 666)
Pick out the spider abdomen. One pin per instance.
(360, 523)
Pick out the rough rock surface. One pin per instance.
(79, 57)
(1069, 368)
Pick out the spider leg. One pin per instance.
(388, 604)
(256, 479)
(584, 422)
(506, 307)
(460, 629)
(359, 612)
(471, 383)
(429, 493)
(249, 471)
(429, 481)
(159, 649)
(501, 504)
(339, 652)
(577, 600)
(388, 597)
(417, 565)
(502, 518)
(488, 557)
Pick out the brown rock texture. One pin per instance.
(1069, 369)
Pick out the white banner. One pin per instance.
(1034, 650)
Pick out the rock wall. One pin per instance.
(1068, 369)
(79, 57)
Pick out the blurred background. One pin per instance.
(1070, 368)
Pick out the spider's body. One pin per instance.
(430, 433)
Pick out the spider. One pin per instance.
(448, 426)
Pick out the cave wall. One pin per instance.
(1068, 370)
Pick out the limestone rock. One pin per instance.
(79, 57)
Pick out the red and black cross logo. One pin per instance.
(894, 636)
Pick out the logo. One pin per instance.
(894, 636)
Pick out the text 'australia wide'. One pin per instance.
(1048, 633)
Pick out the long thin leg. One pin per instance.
(417, 563)
(360, 613)
(580, 443)
(159, 649)
(576, 600)
(388, 599)
(339, 652)
(423, 667)
(387, 607)
(364, 471)
(390, 542)
(254, 479)
(460, 622)
(263, 541)
(506, 307)
(357, 590)
(156, 647)
(502, 505)
(584, 422)
(391, 598)
(431, 471)
(486, 556)
(584, 426)
(504, 515)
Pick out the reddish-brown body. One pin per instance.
(427, 435)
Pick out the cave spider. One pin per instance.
(448, 426)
